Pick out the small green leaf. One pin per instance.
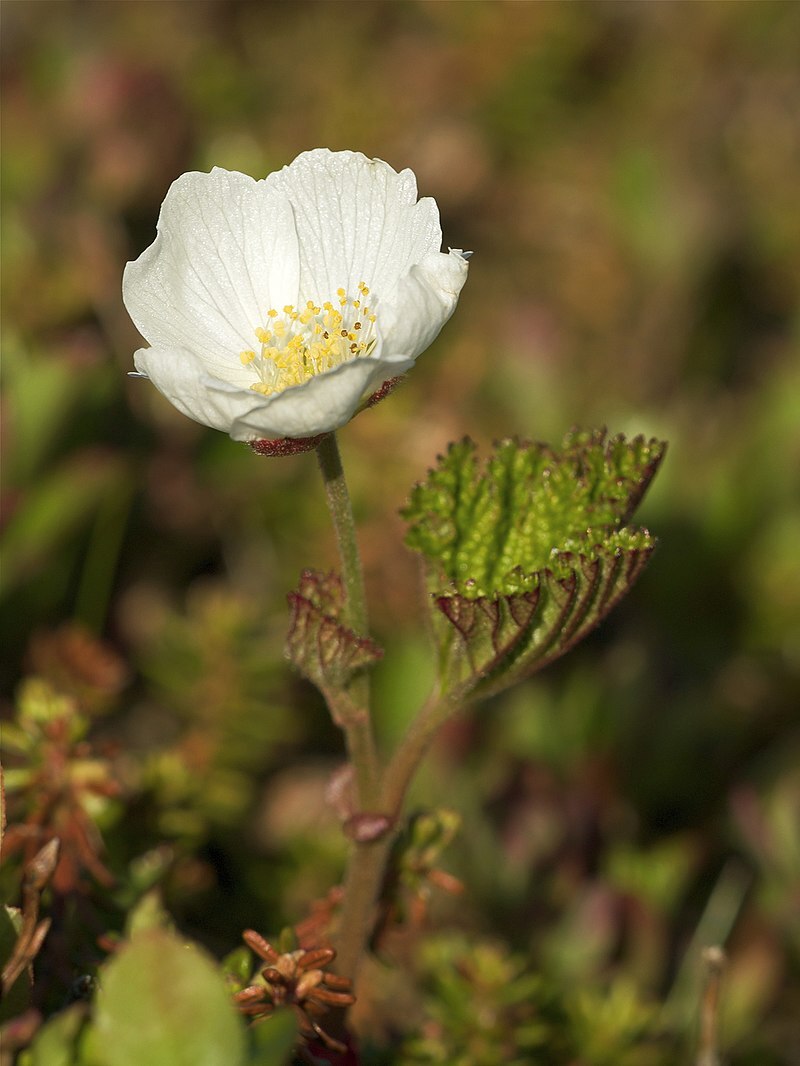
(526, 556)
(41, 704)
(55, 1043)
(415, 854)
(237, 968)
(147, 915)
(321, 647)
(271, 1041)
(163, 1003)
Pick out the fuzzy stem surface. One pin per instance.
(376, 793)
(358, 727)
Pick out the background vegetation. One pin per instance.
(627, 176)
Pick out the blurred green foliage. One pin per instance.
(627, 176)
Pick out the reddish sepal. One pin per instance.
(287, 445)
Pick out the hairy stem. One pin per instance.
(367, 863)
(330, 464)
(365, 873)
(367, 866)
(403, 764)
(358, 727)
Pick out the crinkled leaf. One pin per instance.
(320, 645)
(505, 639)
(526, 556)
(489, 531)
(162, 1002)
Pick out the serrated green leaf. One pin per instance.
(163, 1003)
(528, 555)
(485, 532)
(510, 638)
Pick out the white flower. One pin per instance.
(276, 308)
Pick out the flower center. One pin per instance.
(296, 344)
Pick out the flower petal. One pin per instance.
(322, 404)
(357, 220)
(226, 252)
(423, 301)
(230, 249)
(181, 376)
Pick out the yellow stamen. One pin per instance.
(298, 345)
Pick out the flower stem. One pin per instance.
(403, 765)
(367, 866)
(357, 727)
(330, 464)
(365, 872)
(368, 859)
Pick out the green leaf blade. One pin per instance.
(525, 557)
(162, 1002)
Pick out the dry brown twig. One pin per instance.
(32, 933)
(714, 962)
(298, 979)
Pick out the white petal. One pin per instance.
(322, 404)
(357, 220)
(226, 252)
(229, 248)
(182, 377)
(423, 301)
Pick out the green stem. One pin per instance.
(409, 754)
(330, 464)
(365, 872)
(367, 865)
(357, 727)
(367, 860)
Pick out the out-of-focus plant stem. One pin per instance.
(714, 963)
(403, 764)
(365, 873)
